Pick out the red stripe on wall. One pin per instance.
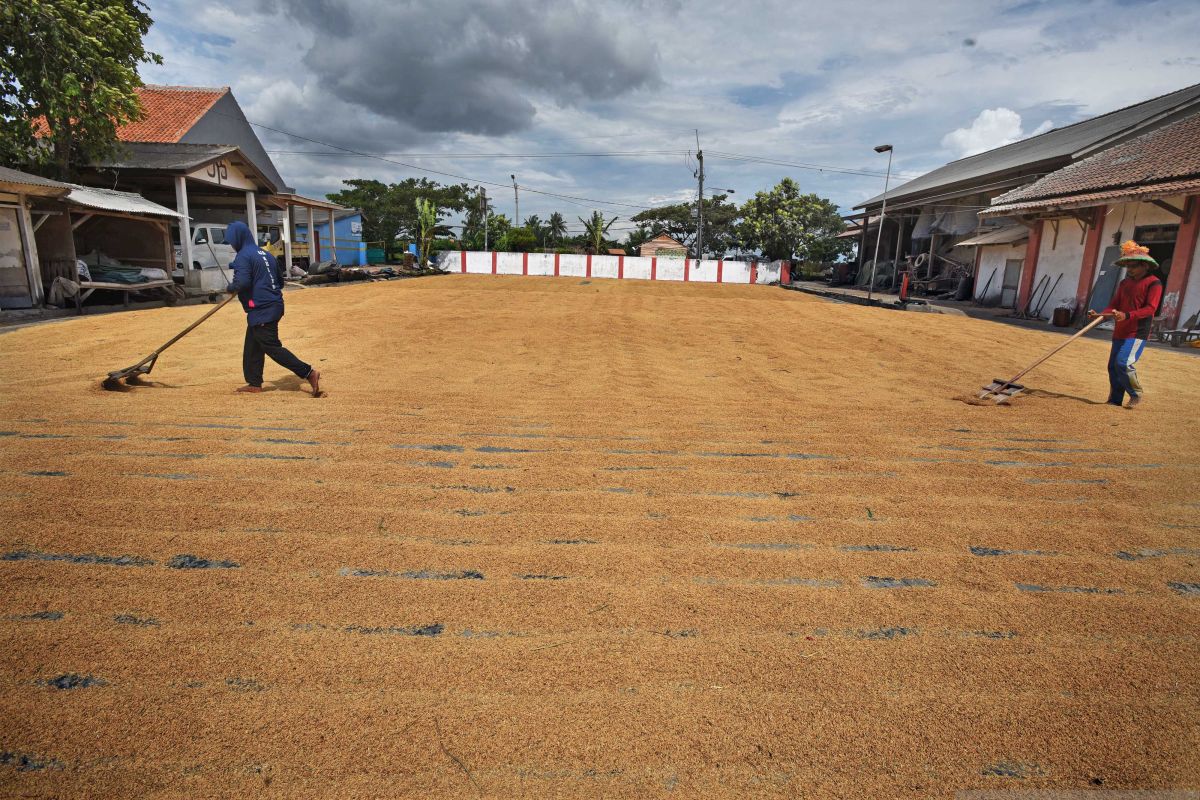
(493, 262)
(687, 268)
(720, 270)
(463, 253)
(620, 267)
(1091, 254)
(589, 265)
(1032, 250)
(654, 268)
(753, 272)
(524, 263)
(785, 273)
(556, 265)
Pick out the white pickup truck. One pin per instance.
(209, 250)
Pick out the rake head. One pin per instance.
(130, 375)
(1001, 391)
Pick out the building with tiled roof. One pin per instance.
(1161, 163)
(1146, 188)
(931, 217)
(201, 115)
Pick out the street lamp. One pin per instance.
(883, 148)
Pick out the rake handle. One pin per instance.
(1079, 333)
(188, 329)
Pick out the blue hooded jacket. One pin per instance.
(256, 277)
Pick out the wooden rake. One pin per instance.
(1002, 391)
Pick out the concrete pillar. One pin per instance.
(332, 237)
(287, 238)
(1029, 269)
(185, 224)
(251, 215)
(1091, 257)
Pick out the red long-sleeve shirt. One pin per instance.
(1138, 299)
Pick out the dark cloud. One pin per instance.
(464, 67)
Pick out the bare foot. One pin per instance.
(248, 389)
(314, 380)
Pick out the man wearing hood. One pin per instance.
(257, 282)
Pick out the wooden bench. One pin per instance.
(87, 287)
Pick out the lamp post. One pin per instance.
(883, 148)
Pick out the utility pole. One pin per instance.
(517, 200)
(700, 201)
(483, 203)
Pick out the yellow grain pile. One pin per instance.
(558, 537)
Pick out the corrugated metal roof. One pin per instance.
(1008, 235)
(1086, 199)
(1168, 153)
(165, 156)
(25, 179)
(1051, 149)
(123, 202)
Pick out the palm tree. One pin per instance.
(557, 227)
(595, 227)
(534, 223)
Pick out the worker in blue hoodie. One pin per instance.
(258, 285)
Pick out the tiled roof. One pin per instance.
(1170, 153)
(170, 112)
(1150, 191)
(1049, 150)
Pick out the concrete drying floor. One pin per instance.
(553, 537)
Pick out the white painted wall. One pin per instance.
(572, 265)
(1062, 257)
(635, 268)
(509, 263)
(605, 266)
(670, 269)
(994, 257)
(541, 263)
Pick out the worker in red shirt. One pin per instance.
(1132, 308)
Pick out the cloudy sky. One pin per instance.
(482, 90)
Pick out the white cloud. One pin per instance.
(746, 75)
(994, 127)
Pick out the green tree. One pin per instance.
(594, 228)
(679, 222)
(518, 240)
(537, 227)
(390, 210)
(427, 223)
(785, 224)
(636, 238)
(556, 227)
(72, 64)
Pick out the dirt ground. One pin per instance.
(560, 537)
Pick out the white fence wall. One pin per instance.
(570, 265)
